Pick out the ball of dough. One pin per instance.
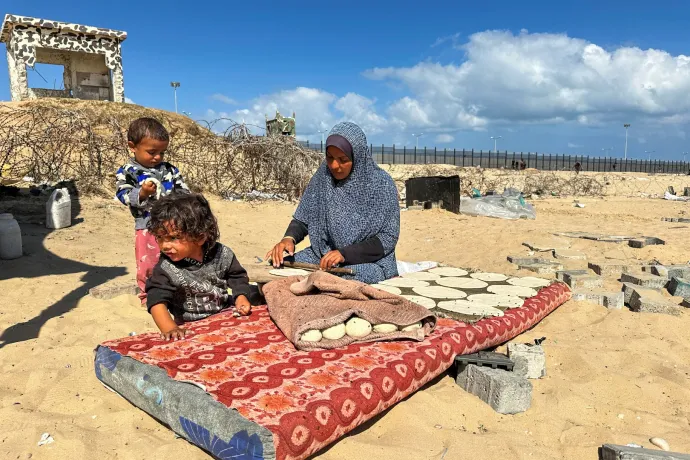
(334, 332)
(412, 327)
(357, 327)
(312, 335)
(385, 328)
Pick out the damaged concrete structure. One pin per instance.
(91, 58)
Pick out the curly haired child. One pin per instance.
(196, 276)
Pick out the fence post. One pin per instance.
(415, 154)
(425, 154)
(455, 158)
(472, 159)
(481, 157)
(444, 155)
(435, 159)
(404, 154)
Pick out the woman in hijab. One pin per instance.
(349, 210)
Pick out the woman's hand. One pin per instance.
(331, 259)
(276, 254)
(242, 305)
(175, 333)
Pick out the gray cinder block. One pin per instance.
(645, 280)
(587, 281)
(530, 360)
(505, 392)
(609, 269)
(616, 452)
(608, 299)
(560, 274)
(651, 301)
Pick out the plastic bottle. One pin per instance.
(59, 209)
(10, 237)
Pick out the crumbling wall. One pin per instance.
(29, 34)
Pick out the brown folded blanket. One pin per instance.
(321, 300)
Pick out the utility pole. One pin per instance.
(175, 85)
(495, 138)
(626, 126)
(649, 154)
(418, 136)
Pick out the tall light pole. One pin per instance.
(626, 126)
(418, 136)
(649, 154)
(321, 132)
(495, 138)
(684, 153)
(607, 150)
(175, 85)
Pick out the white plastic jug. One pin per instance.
(59, 209)
(10, 237)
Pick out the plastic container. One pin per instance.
(10, 238)
(59, 209)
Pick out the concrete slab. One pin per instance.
(644, 280)
(618, 452)
(542, 268)
(645, 241)
(587, 281)
(678, 271)
(651, 301)
(659, 270)
(627, 289)
(609, 269)
(679, 287)
(569, 254)
(505, 392)
(609, 299)
(560, 274)
(526, 260)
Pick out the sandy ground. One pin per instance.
(613, 376)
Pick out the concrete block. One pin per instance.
(609, 269)
(679, 287)
(504, 391)
(415, 208)
(560, 274)
(530, 360)
(651, 301)
(644, 280)
(617, 452)
(678, 271)
(659, 270)
(683, 220)
(645, 241)
(627, 290)
(542, 268)
(569, 254)
(686, 191)
(106, 292)
(525, 260)
(582, 281)
(608, 299)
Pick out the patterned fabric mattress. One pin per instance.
(238, 389)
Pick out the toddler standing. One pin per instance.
(140, 182)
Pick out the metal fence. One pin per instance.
(516, 160)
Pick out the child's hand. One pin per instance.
(176, 333)
(242, 305)
(148, 188)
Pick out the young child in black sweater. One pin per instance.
(195, 273)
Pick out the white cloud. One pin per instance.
(129, 101)
(504, 79)
(572, 145)
(448, 38)
(223, 98)
(444, 138)
(543, 78)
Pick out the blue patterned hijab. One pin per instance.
(363, 205)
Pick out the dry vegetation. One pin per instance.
(55, 140)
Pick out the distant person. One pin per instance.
(523, 165)
(196, 275)
(613, 166)
(578, 167)
(140, 183)
(350, 212)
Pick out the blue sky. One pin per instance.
(544, 76)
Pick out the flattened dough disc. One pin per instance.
(391, 289)
(448, 271)
(465, 307)
(519, 291)
(289, 272)
(404, 283)
(496, 300)
(529, 281)
(423, 301)
(439, 292)
(461, 283)
(490, 277)
(424, 276)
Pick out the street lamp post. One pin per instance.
(321, 132)
(626, 126)
(495, 138)
(175, 85)
(418, 136)
(649, 154)
(684, 153)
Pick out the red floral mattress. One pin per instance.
(269, 400)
